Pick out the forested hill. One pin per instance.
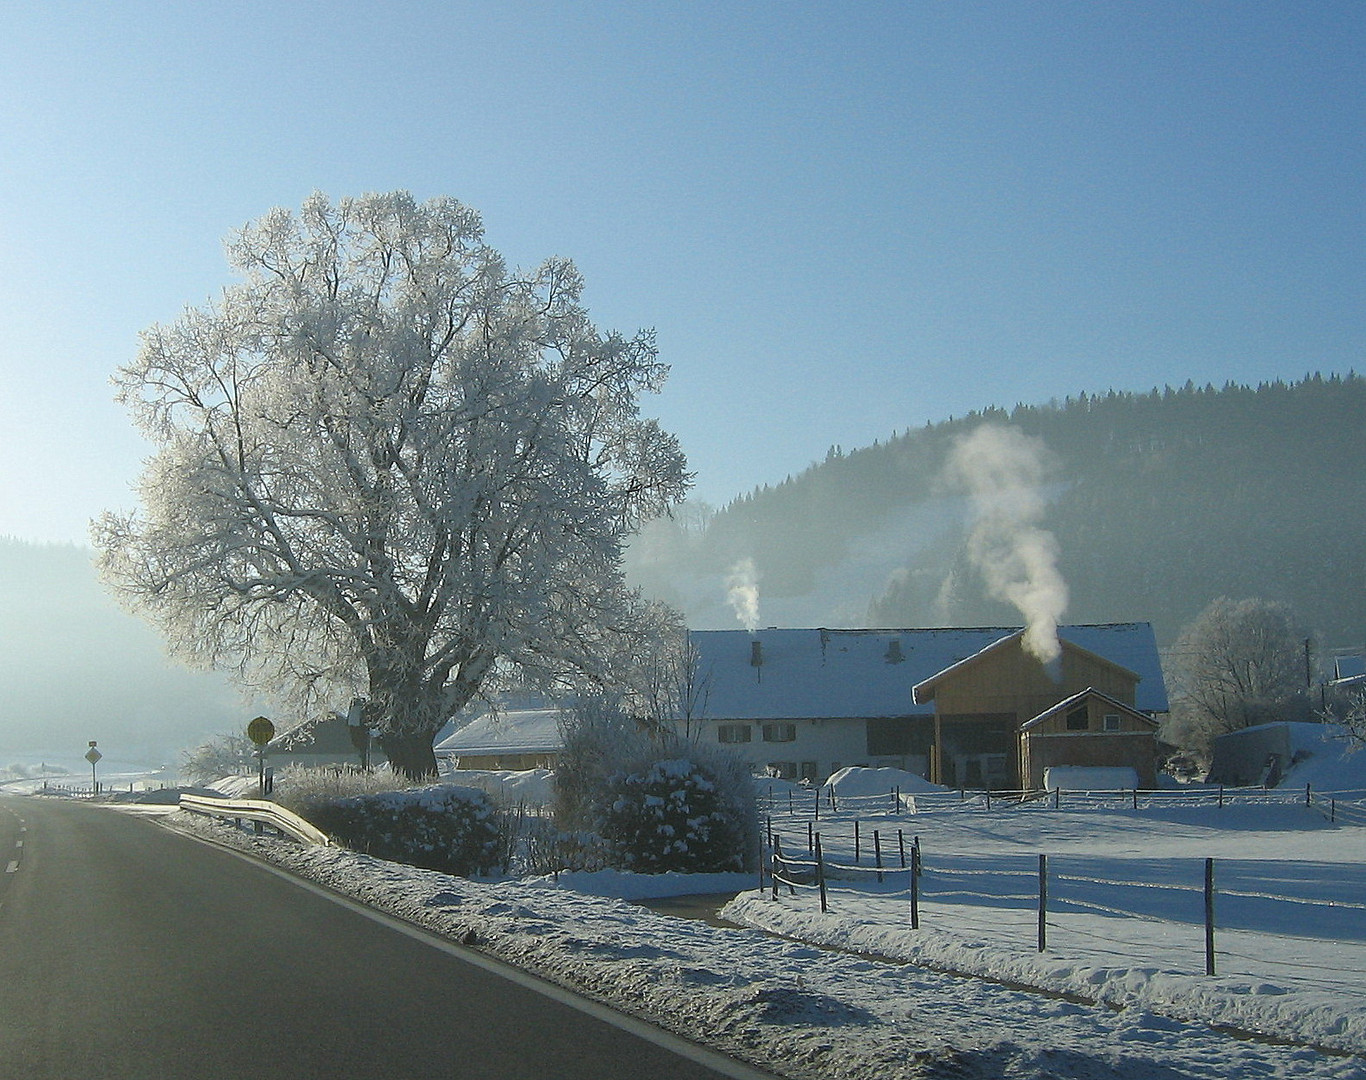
(1159, 502)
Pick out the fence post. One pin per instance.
(877, 855)
(915, 887)
(820, 873)
(1332, 810)
(789, 800)
(1221, 796)
(1209, 916)
(778, 849)
(901, 845)
(856, 842)
(1307, 799)
(818, 804)
(810, 832)
(1043, 902)
(988, 798)
(1135, 798)
(1057, 797)
(833, 807)
(773, 868)
(896, 799)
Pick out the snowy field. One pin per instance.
(1120, 991)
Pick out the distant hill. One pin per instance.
(1159, 503)
(75, 667)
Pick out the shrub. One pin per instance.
(451, 829)
(302, 788)
(670, 817)
(659, 802)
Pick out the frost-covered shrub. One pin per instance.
(452, 829)
(670, 817)
(302, 787)
(658, 802)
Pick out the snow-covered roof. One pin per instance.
(814, 673)
(512, 731)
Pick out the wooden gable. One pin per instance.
(1005, 679)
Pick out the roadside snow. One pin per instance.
(855, 993)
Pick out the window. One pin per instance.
(780, 733)
(809, 771)
(783, 770)
(1112, 722)
(733, 733)
(1078, 720)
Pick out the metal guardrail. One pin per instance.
(267, 813)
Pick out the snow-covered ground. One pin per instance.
(1119, 992)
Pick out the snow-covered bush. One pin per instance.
(658, 802)
(670, 817)
(451, 829)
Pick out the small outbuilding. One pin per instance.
(512, 739)
(1096, 738)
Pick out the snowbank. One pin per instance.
(857, 780)
(533, 787)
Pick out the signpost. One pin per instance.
(261, 731)
(92, 755)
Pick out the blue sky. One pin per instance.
(843, 220)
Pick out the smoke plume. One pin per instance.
(1003, 470)
(742, 593)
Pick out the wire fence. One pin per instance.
(1291, 921)
(1345, 807)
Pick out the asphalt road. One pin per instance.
(130, 951)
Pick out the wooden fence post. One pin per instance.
(856, 842)
(901, 845)
(1209, 916)
(1043, 902)
(915, 887)
(877, 855)
(777, 858)
(820, 873)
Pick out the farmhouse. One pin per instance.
(951, 704)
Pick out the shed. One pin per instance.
(1091, 732)
(513, 739)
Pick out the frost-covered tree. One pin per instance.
(223, 755)
(1239, 663)
(389, 465)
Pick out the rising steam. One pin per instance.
(742, 593)
(1003, 470)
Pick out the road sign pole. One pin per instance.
(261, 731)
(93, 755)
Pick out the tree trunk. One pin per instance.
(411, 754)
